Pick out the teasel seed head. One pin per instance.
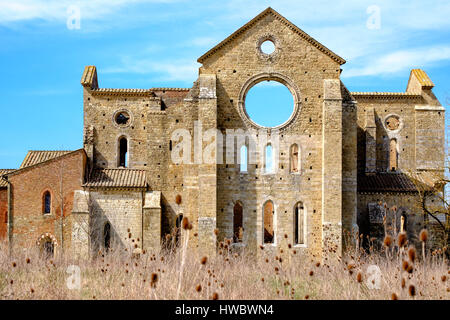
(387, 241)
(412, 254)
(412, 290)
(402, 239)
(405, 265)
(359, 277)
(153, 280)
(423, 236)
(410, 269)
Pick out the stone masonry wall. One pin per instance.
(122, 209)
(306, 68)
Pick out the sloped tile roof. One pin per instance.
(117, 178)
(390, 182)
(34, 157)
(423, 78)
(386, 94)
(3, 183)
(134, 92)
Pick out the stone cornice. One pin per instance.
(133, 92)
(385, 95)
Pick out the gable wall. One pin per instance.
(305, 66)
(28, 186)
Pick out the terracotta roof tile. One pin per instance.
(35, 157)
(423, 78)
(390, 182)
(117, 178)
(3, 183)
(395, 94)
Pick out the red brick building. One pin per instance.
(40, 190)
(4, 205)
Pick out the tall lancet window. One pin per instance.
(294, 159)
(47, 202)
(268, 213)
(237, 222)
(123, 152)
(393, 155)
(243, 158)
(268, 158)
(299, 217)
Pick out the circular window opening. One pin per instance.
(267, 47)
(269, 104)
(122, 118)
(392, 123)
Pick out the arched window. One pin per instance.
(294, 159)
(49, 248)
(403, 220)
(237, 223)
(46, 202)
(299, 217)
(243, 158)
(268, 158)
(268, 212)
(107, 236)
(393, 155)
(123, 152)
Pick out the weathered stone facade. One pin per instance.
(134, 192)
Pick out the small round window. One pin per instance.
(392, 122)
(122, 118)
(267, 47)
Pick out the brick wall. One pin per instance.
(28, 186)
(3, 212)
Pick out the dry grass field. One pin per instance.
(188, 274)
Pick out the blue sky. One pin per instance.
(155, 43)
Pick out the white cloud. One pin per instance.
(341, 26)
(399, 61)
(174, 70)
(56, 10)
(203, 42)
